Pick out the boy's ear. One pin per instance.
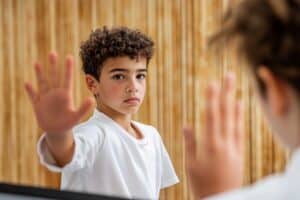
(91, 83)
(276, 91)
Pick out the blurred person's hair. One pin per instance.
(267, 33)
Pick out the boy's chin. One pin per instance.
(130, 111)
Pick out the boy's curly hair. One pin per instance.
(107, 43)
(267, 32)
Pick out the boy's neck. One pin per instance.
(123, 120)
(120, 118)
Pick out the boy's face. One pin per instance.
(121, 86)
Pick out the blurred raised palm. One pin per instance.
(53, 100)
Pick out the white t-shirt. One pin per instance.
(109, 161)
(285, 186)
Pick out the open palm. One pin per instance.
(53, 101)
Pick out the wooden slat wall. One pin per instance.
(178, 73)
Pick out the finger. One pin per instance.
(227, 106)
(190, 143)
(212, 113)
(239, 125)
(53, 72)
(31, 92)
(68, 79)
(41, 79)
(84, 108)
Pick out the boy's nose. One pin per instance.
(131, 90)
(132, 87)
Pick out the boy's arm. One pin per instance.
(54, 108)
(61, 147)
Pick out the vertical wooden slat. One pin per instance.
(2, 132)
(153, 66)
(160, 66)
(177, 106)
(51, 24)
(10, 170)
(167, 76)
(19, 79)
(33, 172)
(184, 82)
(105, 13)
(119, 17)
(160, 81)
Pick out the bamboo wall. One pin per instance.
(181, 67)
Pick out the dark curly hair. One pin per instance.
(107, 43)
(267, 32)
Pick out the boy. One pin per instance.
(267, 35)
(109, 153)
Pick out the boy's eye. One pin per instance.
(118, 77)
(141, 76)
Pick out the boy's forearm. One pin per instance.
(61, 147)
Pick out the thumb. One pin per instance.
(84, 108)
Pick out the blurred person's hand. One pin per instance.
(53, 106)
(216, 165)
(53, 101)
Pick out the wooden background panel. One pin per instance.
(178, 73)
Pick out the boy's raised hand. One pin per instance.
(53, 101)
(216, 165)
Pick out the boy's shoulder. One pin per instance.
(91, 123)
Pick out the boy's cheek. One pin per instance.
(112, 92)
(116, 87)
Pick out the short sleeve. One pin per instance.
(88, 142)
(169, 176)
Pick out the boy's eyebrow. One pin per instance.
(118, 70)
(126, 70)
(142, 70)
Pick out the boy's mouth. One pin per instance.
(132, 101)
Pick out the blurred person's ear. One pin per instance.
(276, 91)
